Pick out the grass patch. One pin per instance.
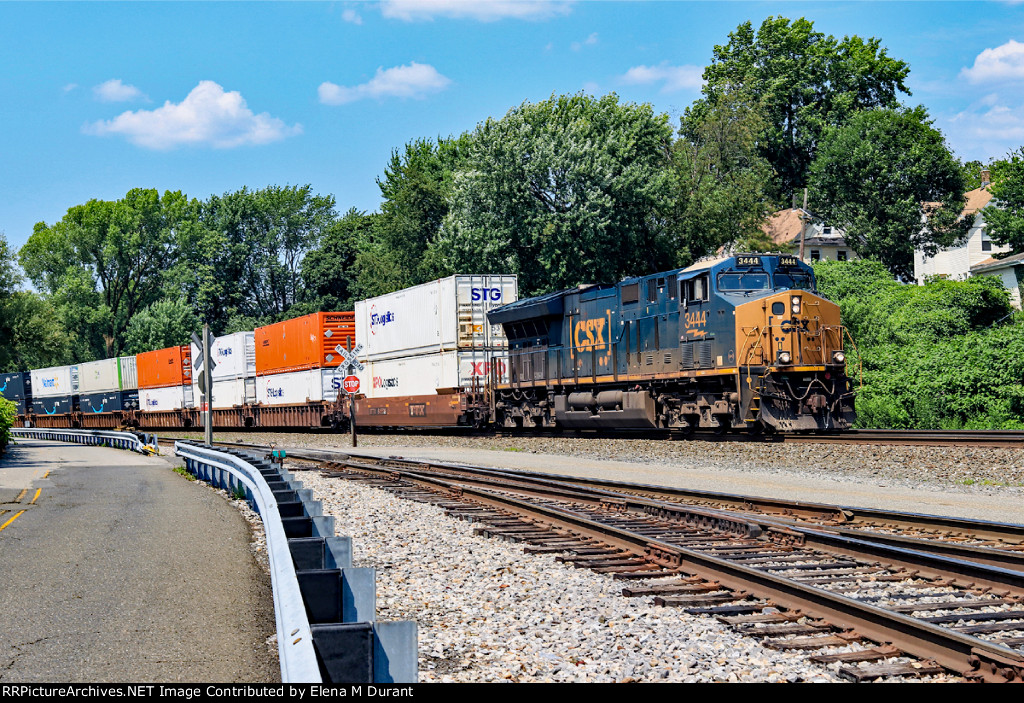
(181, 470)
(514, 449)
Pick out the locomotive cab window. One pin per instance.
(794, 279)
(743, 281)
(696, 289)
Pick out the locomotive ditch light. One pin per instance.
(795, 301)
(838, 357)
(785, 357)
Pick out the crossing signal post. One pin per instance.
(205, 365)
(350, 385)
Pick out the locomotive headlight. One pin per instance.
(839, 357)
(785, 357)
(795, 301)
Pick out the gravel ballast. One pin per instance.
(488, 612)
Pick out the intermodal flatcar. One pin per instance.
(742, 343)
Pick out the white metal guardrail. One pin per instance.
(144, 444)
(294, 637)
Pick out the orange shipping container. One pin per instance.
(304, 342)
(165, 367)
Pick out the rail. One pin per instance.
(144, 444)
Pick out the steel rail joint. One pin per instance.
(294, 635)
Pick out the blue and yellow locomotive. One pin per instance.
(741, 343)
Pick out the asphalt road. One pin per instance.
(115, 568)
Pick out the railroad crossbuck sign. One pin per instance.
(351, 365)
(199, 360)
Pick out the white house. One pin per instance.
(974, 257)
(821, 242)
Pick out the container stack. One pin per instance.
(234, 372)
(55, 390)
(108, 385)
(165, 379)
(297, 360)
(434, 338)
(17, 388)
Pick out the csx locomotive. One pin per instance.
(742, 343)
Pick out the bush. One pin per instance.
(945, 355)
(8, 414)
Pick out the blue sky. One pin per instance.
(99, 98)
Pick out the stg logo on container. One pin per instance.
(380, 319)
(485, 294)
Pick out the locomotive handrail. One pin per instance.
(294, 635)
(147, 444)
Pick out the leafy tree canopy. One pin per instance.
(721, 192)
(566, 191)
(165, 323)
(1004, 217)
(805, 82)
(880, 177)
(416, 189)
(119, 250)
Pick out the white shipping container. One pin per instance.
(443, 315)
(108, 375)
(98, 376)
(56, 380)
(234, 355)
(230, 393)
(290, 388)
(425, 374)
(129, 373)
(168, 398)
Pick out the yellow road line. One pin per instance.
(38, 491)
(47, 473)
(21, 495)
(11, 520)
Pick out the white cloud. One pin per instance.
(989, 128)
(483, 10)
(416, 80)
(208, 116)
(114, 91)
(589, 41)
(673, 78)
(351, 16)
(69, 87)
(1004, 62)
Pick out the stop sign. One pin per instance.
(351, 384)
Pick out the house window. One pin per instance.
(815, 255)
(826, 230)
(841, 255)
(986, 244)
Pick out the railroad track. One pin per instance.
(1009, 439)
(885, 594)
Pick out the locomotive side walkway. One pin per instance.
(117, 569)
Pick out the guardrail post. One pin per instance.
(339, 601)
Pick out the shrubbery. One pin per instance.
(8, 413)
(946, 355)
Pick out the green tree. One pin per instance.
(416, 188)
(721, 185)
(883, 174)
(30, 337)
(805, 82)
(329, 271)
(1004, 217)
(262, 236)
(566, 191)
(165, 323)
(117, 251)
